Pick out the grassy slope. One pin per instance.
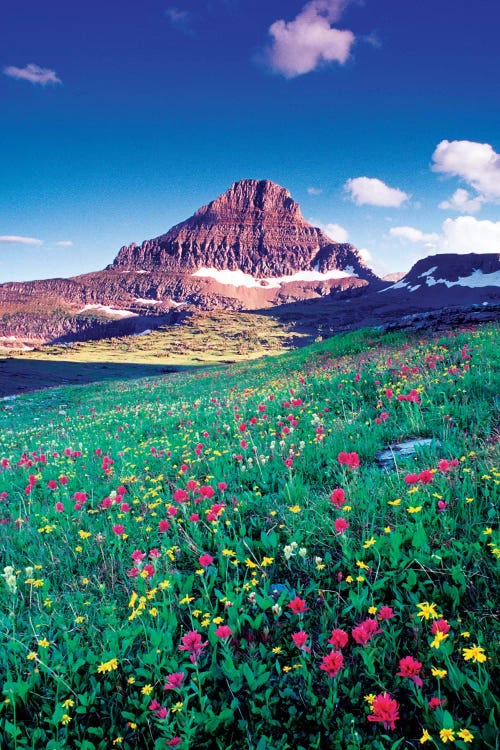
(203, 339)
(256, 690)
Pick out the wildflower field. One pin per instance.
(216, 559)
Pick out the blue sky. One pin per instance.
(119, 119)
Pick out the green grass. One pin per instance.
(113, 493)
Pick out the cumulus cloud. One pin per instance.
(477, 164)
(365, 254)
(373, 192)
(463, 202)
(310, 40)
(414, 235)
(335, 232)
(14, 239)
(465, 234)
(64, 243)
(33, 73)
(314, 191)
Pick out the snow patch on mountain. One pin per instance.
(108, 310)
(239, 278)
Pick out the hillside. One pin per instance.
(220, 558)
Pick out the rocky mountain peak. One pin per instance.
(255, 227)
(252, 201)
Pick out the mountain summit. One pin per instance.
(256, 228)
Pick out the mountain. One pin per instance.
(256, 228)
(438, 274)
(249, 249)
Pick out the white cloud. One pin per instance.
(373, 192)
(64, 243)
(314, 191)
(335, 232)
(469, 235)
(33, 73)
(465, 234)
(463, 202)
(475, 163)
(309, 41)
(365, 254)
(414, 235)
(14, 239)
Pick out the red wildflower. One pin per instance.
(441, 626)
(338, 638)
(410, 667)
(338, 497)
(52, 484)
(300, 639)
(205, 560)
(348, 459)
(192, 642)
(297, 605)
(341, 525)
(412, 478)
(207, 491)
(386, 710)
(118, 529)
(137, 555)
(385, 613)
(174, 680)
(223, 631)
(174, 742)
(332, 663)
(59, 507)
(426, 476)
(435, 702)
(180, 496)
(365, 631)
(163, 525)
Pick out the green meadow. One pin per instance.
(215, 558)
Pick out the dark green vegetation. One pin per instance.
(176, 552)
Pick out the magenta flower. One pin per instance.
(192, 642)
(174, 680)
(223, 631)
(332, 663)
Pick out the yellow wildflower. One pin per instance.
(65, 719)
(476, 654)
(447, 735)
(107, 666)
(438, 672)
(147, 689)
(428, 611)
(438, 639)
(425, 737)
(465, 735)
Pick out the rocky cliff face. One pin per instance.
(255, 227)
